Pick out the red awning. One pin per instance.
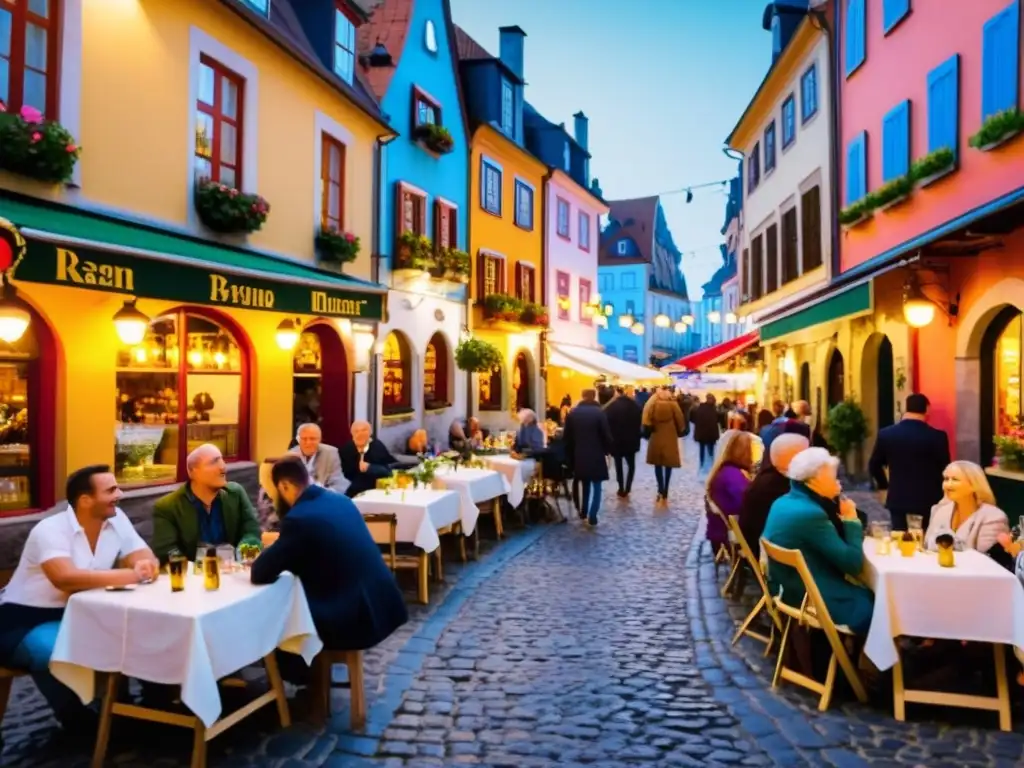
(719, 353)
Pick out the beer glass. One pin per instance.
(177, 566)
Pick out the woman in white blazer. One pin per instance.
(968, 510)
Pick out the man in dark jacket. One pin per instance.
(916, 455)
(768, 485)
(705, 428)
(625, 417)
(364, 460)
(353, 597)
(588, 440)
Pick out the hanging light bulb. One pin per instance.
(195, 358)
(680, 326)
(287, 335)
(626, 320)
(663, 321)
(14, 317)
(730, 317)
(918, 309)
(688, 319)
(637, 329)
(714, 316)
(131, 324)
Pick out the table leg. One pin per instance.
(198, 745)
(1002, 688)
(277, 686)
(499, 528)
(424, 579)
(106, 720)
(899, 704)
(439, 563)
(462, 541)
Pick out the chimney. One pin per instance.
(511, 49)
(580, 129)
(595, 187)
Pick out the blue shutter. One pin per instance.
(893, 12)
(856, 32)
(1000, 61)
(856, 168)
(896, 142)
(944, 105)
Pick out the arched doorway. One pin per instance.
(320, 383)
(805, 382)
(836, 379)
(436, 373)
(1001, 405)
(489, 390)
(522, 391)
(886, 396)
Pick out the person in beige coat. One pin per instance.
(968, 509)
(663, 425)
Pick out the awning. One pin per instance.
(83, 250)
(592, 361)
(718, 353)
(852, 301)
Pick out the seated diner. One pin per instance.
(968, 511)
(364, 460)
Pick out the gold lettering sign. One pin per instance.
(71, 269)
(223, 291)
(328, 305)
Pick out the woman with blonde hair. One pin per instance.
(663, 425)
(728, 482)
(968, 509)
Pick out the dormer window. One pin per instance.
(430, 37)
(508, 114)
(344, 46)
(566, 157)
(263, 6)
(426, 110)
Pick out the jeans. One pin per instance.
(662, 475)
(630, 460)
(33, 654)
(709, 449)
(591, 498)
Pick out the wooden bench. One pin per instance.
(323, 682)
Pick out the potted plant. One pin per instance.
(434, 137)
(1010, 450)
(847, 428)
(32, 146)
(477, 356)
(414, 253)
(500, 306)
(932, 166)
(998, 129)
(456, 265)
(891, 193)
(336, 246)
(226, 210)
(533, 314)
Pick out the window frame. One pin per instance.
(500, 272)
(583, 236)
(855, 47)
(405, 350)
(810, 76)
(348, 75)
(507, 87)
(520, 187)
(528, 272)
(327, 141)
(402, 190)
(754, 168)
(441, 385)
(589, 292)
(810, 229)
(421, 96)
(443, 206)
(563, 313)
(769, 147)
(559, 203)
(896, 138)
(487, 164)
(214, 111)
(17, 65)
(790, 102)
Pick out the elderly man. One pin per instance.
(770, 484)
(322, 461)
(364, 460)
(206, 510)
(90, 545)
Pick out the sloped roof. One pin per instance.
(468, 48)
(637, 220)
(389, 24)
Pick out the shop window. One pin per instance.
(18, 456)
(183, 386)
(489, 391)
(435, 373)
(332, 184)
(319, 365)
(397, 395)
(1008, 371)
(307, 380)
(521, 388)
(29, 49)
(218, 151)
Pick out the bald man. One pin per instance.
(207, 510)
(364, 460)
(770, 484)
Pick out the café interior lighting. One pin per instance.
(287, 334)
(131, 324)
(14, 317)
(662, 321)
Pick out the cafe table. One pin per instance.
(474, 486)
(191, 639)
(976, 600)
(517, 471)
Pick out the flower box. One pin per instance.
(933, 166)
(997, 130)
(999, 142)
(435, 138)
(337, 247)
(414, 252)
(228, 211)
(32, 146)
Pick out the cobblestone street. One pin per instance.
(568, 646)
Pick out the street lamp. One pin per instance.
(14, 318)
(287, 334)
(131, 324)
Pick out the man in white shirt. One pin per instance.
(90, 545)
(321, 460)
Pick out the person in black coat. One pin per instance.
(706, 429)
(353, 597)
(625, 418)
(588, 441)
(916, 455)
(364, 460)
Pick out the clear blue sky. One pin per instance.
(663, 83)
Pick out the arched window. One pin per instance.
(397, 396)
(836, 379)
(489, 391)
(19, 409)
(435, 374)
(186, 384)
(1002, 406)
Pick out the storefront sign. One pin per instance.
(117, 272)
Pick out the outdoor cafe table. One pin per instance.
(474, 486)
(516, 471)
(976, 600)
(420, 513)
(189, 639)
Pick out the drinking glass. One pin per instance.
(177, 565)
(226, 555)
(915, 525)
(881, 533)
(200, 556)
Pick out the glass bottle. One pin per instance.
(211, 570)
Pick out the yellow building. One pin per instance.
(156, 320)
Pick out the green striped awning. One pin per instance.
(852, 301)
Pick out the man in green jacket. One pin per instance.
(205, 510)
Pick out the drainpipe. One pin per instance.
(377, 213)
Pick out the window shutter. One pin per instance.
(519, 283)
(896, 142)
(481, 275)
(421, 209)
(893, 12)
(453, 228)
(1000, 61)
(855, 34)
(403, 221)
(856, 171)
(944, 105)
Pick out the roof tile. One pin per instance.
(389, 25)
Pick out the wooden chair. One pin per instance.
(814, 614)
(323, 682)
(383, 527)
(727, 554)
(765, 604)
(7, 677)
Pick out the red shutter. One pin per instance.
(519, 283)
(453, 230)
(422, 213)
(481, 275)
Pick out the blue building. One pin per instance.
(639, 274)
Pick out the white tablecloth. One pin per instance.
(474, 486)
(516, 471)
(976, 599)
(191, 638)
(420, 513)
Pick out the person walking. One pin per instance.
(706, 428)
(588, 441)
(625, 419)
(663, 424)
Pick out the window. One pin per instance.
(790, 247)
(788, 121)
(605, 282)
(563, 218)
(490, 187)
(446, 225)
(20, 393)
(630, 310)
(1000, 61)
(745, 272)
(1009, 405)
(609, 350)
(754, 168)
(809, 93)
(263, 6)
(893, 12)
(491, 272)
(856, 35)
(425, 109)
(622, 247)
(396, 395)
(629, 354)
(184, 385)
(508, 109)
(772, 258)
(29, 50)
(435, 373)
(489, 390)
(584, 237)
(332, 184)
(810, 227)
(219, 124)
(344, 46)
(896, 142)
(526, 282)
(584, 300)
(629, 280)
(769, 147)
(756, 268)
(524, 205)
(856, 168)
(566, 157)
(562, 286)
(412, 210)
(944, 105)
(430, 36)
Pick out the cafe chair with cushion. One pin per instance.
(728, 554)
(813, 614)
(323, 683)
(765, 604)
(383, 527)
